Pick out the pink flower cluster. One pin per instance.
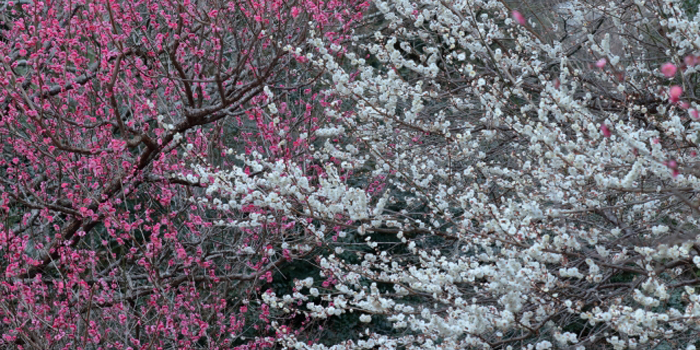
(518, 17)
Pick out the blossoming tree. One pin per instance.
(99, 245)
(487, 176)
(450, 173)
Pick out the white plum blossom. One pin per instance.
(521, 184)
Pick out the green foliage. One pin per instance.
(623, 277)
(691, 7)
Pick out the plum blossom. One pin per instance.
(668, 69)
(674, 93)
(445, 179)
(518, 17)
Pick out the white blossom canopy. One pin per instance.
(536, 170)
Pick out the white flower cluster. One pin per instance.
(528, 180)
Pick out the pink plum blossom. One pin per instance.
(674, 93)
(518, 17)
(668, 69)
(673, 165)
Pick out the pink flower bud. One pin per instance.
(601, 63)
(690, 60)
(557, 83)
(518, 17)
(694, 114)
(675, 93)
(693, 153)
(684, 105)
(673, 165)
(605, 130)
(668, 69)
